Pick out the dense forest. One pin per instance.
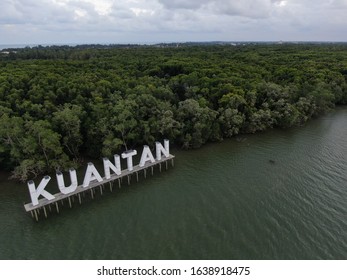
(61, 104)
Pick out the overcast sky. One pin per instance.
(150, 21)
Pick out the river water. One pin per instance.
(281, 194)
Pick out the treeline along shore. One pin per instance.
(60, 104)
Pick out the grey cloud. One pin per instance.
(245, 8)
(41, 12)
(32, 12)
(339, 4)
(169, 19)
(9, 13)
(183, 4)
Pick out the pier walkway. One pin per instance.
(45, 204)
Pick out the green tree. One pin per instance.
(68, 124)
(231, 113)
(196, 123)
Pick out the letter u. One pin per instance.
(61, 183)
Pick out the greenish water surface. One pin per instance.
(281, 194)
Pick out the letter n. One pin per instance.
(161, 150)
(116, 168)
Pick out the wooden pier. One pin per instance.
(45, 204)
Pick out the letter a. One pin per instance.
(91, 175)
(35, 193)
(146, 156)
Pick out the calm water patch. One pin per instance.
(281, 194)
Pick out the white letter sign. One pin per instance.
(116, 168)
(91, 175)
(61, 183)
(35, 193)
(92, 178)
(146, 156)
(161, 150)
(129, 156)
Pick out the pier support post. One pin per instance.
(152, 170)
(119, 183)
(166, 164)
(160, 167)
(37, 218)
(145, 172)
(50, 209)
(101, 189)
(110, 186)
(44, 210)
(91, 191)
(128, 180)
(137, 176)
(32, 214)
(56, 205)
(70, 202)
(79, 198)
(172, 163)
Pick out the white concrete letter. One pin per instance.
(146, 156)
(129, 156)
(116, 168)
(161, 150)
(61, 183)
(35, 193)
(91, 175)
